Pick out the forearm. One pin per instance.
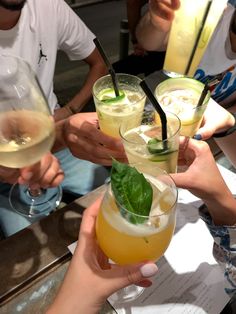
(222, 208)
(227, 143)
(77, 103)
(153, 35)
(59, 142)
(133, 15)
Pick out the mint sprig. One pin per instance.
(132, 191)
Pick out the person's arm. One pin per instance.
(90, 278)
(153, 29)
(133, 8)
(204, 180)
(80, 133)
(97, 69)
(220, 124)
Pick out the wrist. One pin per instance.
(230, 130)
(222, 209)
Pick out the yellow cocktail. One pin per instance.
(181, 96)
(112, 110)
(126, 237)
(191, 31)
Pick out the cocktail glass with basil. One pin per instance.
(144, 144)
(112, 109)
(137, 216)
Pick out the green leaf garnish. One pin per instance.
(132, 191)
(109, 99)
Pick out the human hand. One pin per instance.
(203, 179)
(163, 9)
(45, 173)
(216, 119)
(91, 279)
(85, 141)
(139, 50)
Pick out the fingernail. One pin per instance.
(148, 270)
(27, 176)
(197, 137)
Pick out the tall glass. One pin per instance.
(128, 238)
(181, 96)
(27, 132)
(190, 33)
(144, 144)
(113, 110)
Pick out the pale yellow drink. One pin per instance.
(187, 33)
(144, 144)
(112, 110)
(181, 96)
(125, 242)
(25, 137)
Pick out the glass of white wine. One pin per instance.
(27, 132)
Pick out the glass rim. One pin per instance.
(189, 79)
(164, 141)
(162, 173)
(118, 74)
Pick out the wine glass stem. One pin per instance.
(35, 192)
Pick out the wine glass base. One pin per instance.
(127, 294)
(27, 205)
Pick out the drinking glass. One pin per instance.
(112, 110)
(144, 144)
(27, 132)
(190, 33)
(126, 237)
(181, 96)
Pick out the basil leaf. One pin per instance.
(131, 190)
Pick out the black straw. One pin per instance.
(158, 108)
(203, 95)
(109, 66)
(198, 37)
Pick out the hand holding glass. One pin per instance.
(26, 131)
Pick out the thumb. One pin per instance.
(203, 133)
(180, 179)
(132, 274)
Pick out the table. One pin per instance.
(34, 260)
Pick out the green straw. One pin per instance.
(109, 66)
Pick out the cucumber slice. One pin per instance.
(162, 156)
(155, 146)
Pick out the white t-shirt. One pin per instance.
(44, 27)
(219, 61)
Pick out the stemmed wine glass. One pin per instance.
(126, 237)
(27, 132)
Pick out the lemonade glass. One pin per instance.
(190, 33)
(144, 144)
(181, 96)
(112, 110)
(126, 237)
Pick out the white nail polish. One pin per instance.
(148, 270)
